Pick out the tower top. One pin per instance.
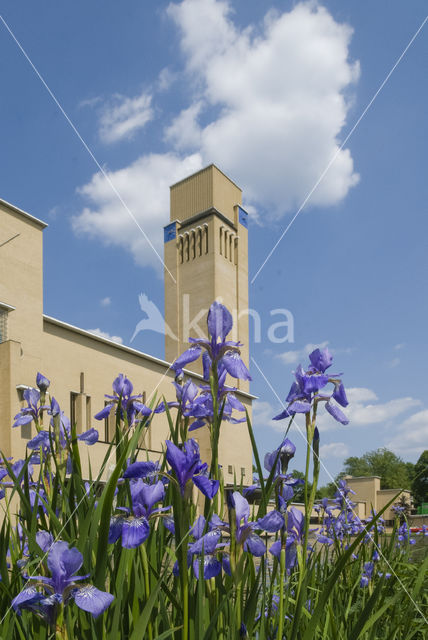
(206, 189)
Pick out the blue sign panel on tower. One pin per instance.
(169, 232)
(243, 217)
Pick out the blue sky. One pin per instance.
(269, 92)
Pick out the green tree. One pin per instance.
(298, 490)
(393, 471)
(327, 491)
(420, 479)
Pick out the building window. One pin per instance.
(88, 412)
(3, 325)
(80, 411)
(186, 247)
(230, 469)
(242, 471)
(73, 409)
(206, 237)
(25, 428)
(180, 249)
(109, 424)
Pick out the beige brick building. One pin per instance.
(206, 257)
(369, 496)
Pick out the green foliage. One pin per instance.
(420, 479)
(318, 598)
(393, 471)
(327, 491)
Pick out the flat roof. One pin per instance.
(24, 213)
(201, 171)
(122, 347)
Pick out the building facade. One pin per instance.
(206, 257)
(370, 497)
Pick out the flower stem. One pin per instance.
(147, 585)
(281, 593)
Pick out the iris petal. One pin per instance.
(273, 521)
(219, 322)
(339, 394)
(190, 355)
(63, 563)
(206, 544)
(321, 359)
(93, 600)
(235, 366)
(242, 508)
(211, 567)
(140, 469)
(104, 413)
(208, 487)
(336, 413)
(90, 436)
(134, 532)
(255, 545)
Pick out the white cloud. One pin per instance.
(185, 132)
(299, 355)
(107, 336)
(281, 91)
(262, 416)
(267, 104)
(165, 79)
(399, 346)
(334, 450)
(364, 409)
(90, 102)
(411, 436)
(122, 117)
(144, 186)
(105, 302)
(394, 363)
(360, 395)
(363, 414)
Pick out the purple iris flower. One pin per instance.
(130, 405)
(19, 471)
(403, 535)
(33, 409)
(306, 390)
(135, 528)
(204, 549)
(89, 437)
(295, 534)
(43, 595)
(342, 523)
(218, 349)
(187, 465)
(42, 440)
(321, 360)
(367, 574)
(142, 469)
(245, 530)
(280, 457)
(203, 408)
(42, 382)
